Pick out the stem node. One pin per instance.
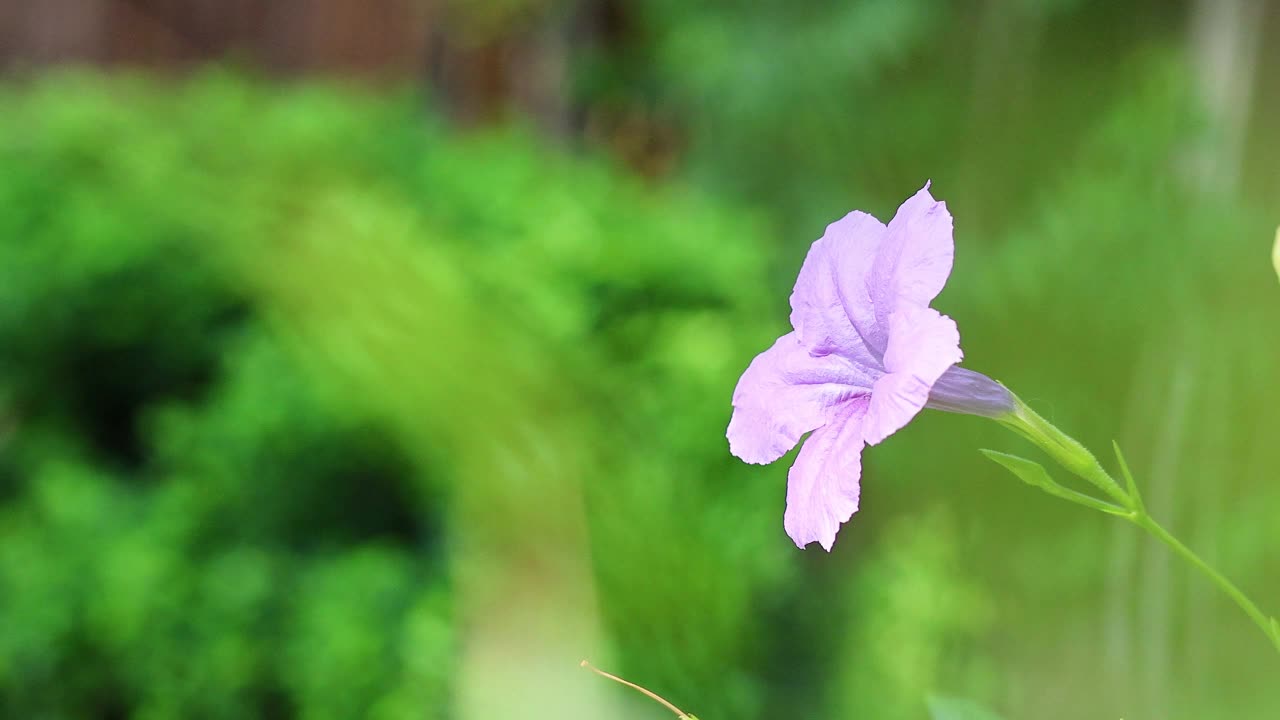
(1074, 457)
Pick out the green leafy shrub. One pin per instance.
(223, 528)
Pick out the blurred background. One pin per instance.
(373, 359)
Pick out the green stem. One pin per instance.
(1267, 625)
(1063, 448)
(1074, 457)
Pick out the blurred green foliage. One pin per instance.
(205, 520)
(256, 342)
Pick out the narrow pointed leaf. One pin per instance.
(1134, 496)
(1034, 474)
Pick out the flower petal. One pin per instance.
(785, 393)
(922, 344)
(915, 257)
(822, 487)
(828, 316)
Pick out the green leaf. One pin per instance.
(1135, 497)
(946, 708)
(1034, 474)
(1275, 253)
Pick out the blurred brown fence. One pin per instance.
(479, 58)
(380, 37)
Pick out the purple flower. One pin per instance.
(866, 355)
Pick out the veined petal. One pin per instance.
(915, 258)
(854, 257)
(922, 344)
(828, 316)
(823, 485)
(785, 393)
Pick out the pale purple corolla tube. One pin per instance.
(866, 355)
(960, 390)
